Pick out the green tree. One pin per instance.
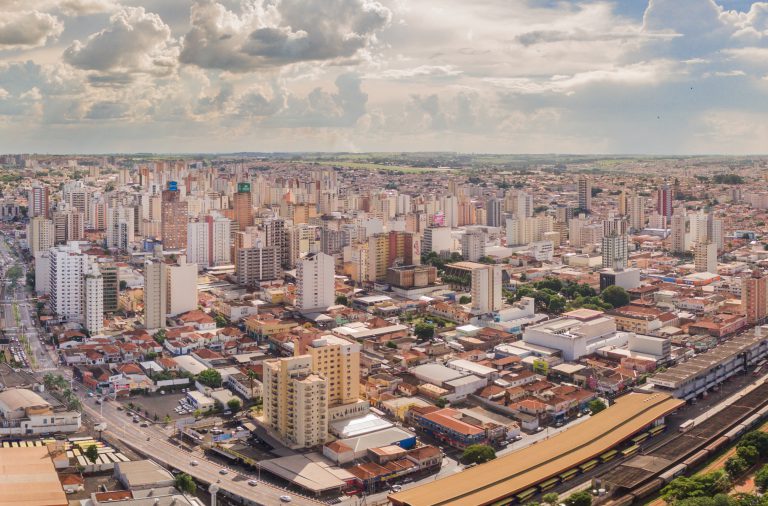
(221, 321)
(234, 404)
(167, 420)
(160, 336)
(465, 299)
(761, 479)
(582, 498)
(756, 439)
(92, 453)
(185, 483)
(551, 498)
(341, 300)
(749, 454)
(391, 345)
(14, 273)
(478, 454)
(703, 485)
(556, 304)
(614, 295)
(424, 330)
(596, 405)
(735, 466)
(123, 284)
(210, 378)
(441, 402)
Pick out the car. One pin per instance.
(143, 424)
(252, 483)
(194, 463)
(74, 389)
(90, 394)
(397, 488)
(119, 408)
(223, 471)
(285, 498)
(135, 419)
(99, 401)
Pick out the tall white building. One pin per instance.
(120, 227)
(450, 206)
(523, 231)
(93, 300)
(208, 241)
(155, 293)
(437, 240)
(315, 290)
(67, 267)
(182, 286)
(705, 257)
(473, 245)
(615, 243)
(636, 211)
(486, 289)
(715, 231)
(519, 203)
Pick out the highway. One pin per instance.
(153, 442)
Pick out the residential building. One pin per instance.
(67, 267)
(754, 297)
(585, 193)
(705, 257)
(615, 249)
(437, 240)
(40, 234)
(242, 204)
(296, 401)
(257, 264)
(155, 294)
(174, 217)
(315, 282)
(486, 289)
(473, 245)
(110, 274)
(39, 201)
(338, 361)
(93, 300)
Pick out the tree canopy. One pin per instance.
(210, 378)
(478, 454)
(614, 295)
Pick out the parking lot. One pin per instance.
(156, 404)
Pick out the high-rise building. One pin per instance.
(705, 257)
(636, 211)
(296, 401)
(110, 275)
(120, 227)
(257, 264)
(519, 203)
(486, 289)
(437, 240)
(93, 300)
(754, 297)
(208, 241)
(615, 241)
(242, 205)
(40, 234)
(664, 199)
(182, 286)
(585, 193)
(338, 361)
(473, 245)
(39, 201)
(715, 230)
(494, 212)
(680, 236)
(174, 217)
(155, 293)
(388, 249)
(523, 231)
(67, 267)
(315, 274)
(275, 235)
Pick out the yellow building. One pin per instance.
(296, 401)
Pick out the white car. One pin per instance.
(223, 471)
(285, 498)
(194, 463)
(252, 483)
(397, 488)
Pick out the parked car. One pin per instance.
(286, 498)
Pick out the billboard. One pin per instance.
(243, 187)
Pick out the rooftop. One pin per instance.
(28, 478)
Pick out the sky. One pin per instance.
(495, 76)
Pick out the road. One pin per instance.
(18, 308)
(153, 441)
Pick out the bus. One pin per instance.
(630, 451)
(526, 494)
(550, 483)
(657, 430)
(639, 439)
(587, 466)
(570, 474)
(608, 456)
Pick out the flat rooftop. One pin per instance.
(311, 472)
(517, 471)
(28, 478)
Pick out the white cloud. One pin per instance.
(280, 32)
(28, 29)
(135, 41)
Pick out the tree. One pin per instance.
(596, 405)
(14, 273)
(551, 498)
(341, 300)
(703, 485)
(556, 304)
(478, 454)
(749, 454)
(92, 453)
(167, 420)
(185, 483)
(756, 439)
(123, 284)
(582, 498)
(424, 330)
(465, 299)
(391, 345)
(221, 321)
(160, 336)
(210, 378)
(761, 478)
(735, 466)
(441, 402)
(614, 295)
(234, 404)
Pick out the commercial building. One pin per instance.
(174, 217)
(93, 300)
(576, 334)
(110, 275)
(412, 276)
(754, 297)
(28, 478)
(437, 240)
(296, 401)
(388, 249)
(315, 282)
(242, 204)
(705, 257)
(25, 413)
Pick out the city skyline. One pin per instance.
(656, 77)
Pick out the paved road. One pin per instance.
(153, 441)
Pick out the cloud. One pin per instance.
(280, 32)
(106, 110)
(85, 7)
(134, 42)
(28, 29)
(422, 71)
